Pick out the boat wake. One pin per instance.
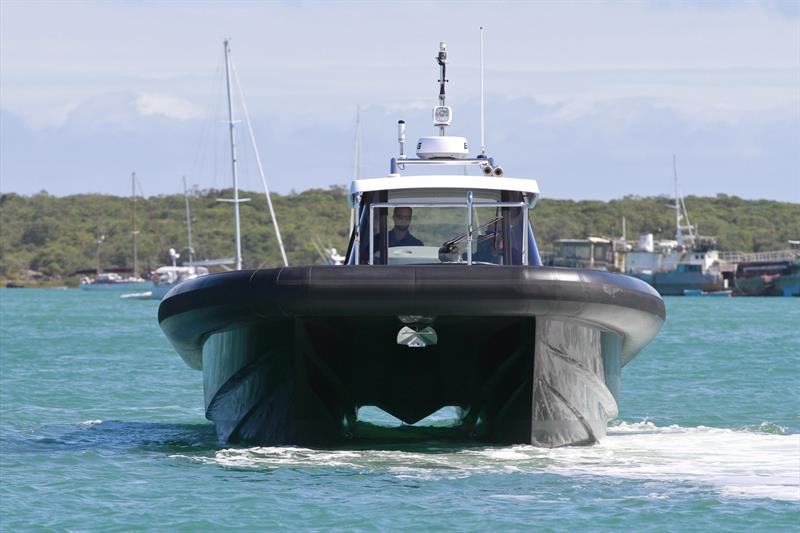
(757, 462)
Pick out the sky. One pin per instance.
(590, 98)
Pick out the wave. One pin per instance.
(758, 462)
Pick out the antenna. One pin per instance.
(442, 115)
(356, 162)
(357, 154)
(401, 137)
(483, 144)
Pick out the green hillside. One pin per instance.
(57, 235)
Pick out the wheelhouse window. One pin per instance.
(402, 229)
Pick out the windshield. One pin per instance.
(431, 235)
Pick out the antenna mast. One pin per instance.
(442, 60)
(357, 155)
(357, 160)
(483, 144)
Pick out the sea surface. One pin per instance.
(102, 428)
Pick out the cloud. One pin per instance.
(167, 106)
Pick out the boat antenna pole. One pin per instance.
(357, 155)
(259, 165)
(357, 161)
(188, 220)
(483, 144)
(231, 124)
(442, 60)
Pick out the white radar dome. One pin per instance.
(442, 147)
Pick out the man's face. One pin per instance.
(402, 218)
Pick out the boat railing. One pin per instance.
(469, 204)
(774, 255)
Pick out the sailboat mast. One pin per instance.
(233, 159)
(135, 232)
(188, 220)
(678, 234)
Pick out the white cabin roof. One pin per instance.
(527, 186)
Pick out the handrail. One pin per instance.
(773, 255)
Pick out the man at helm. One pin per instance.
(399, 235)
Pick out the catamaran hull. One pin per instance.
(527, 354)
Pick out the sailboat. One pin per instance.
(450, 306)
(168, 277)
(113, 281)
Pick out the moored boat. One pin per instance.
(719, 294)
(111, 281)
(688, 263)
(442, 301)
(769, 278)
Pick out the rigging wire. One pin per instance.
(208, 127)
(258, 163)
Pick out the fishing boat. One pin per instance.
(442, 301)
(690, 262)
(775, 277)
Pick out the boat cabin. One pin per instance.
(435, 219)
(593, 252)
(432, 218)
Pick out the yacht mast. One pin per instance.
(188, 220)
(678, 233)
(135, 232)
(231, 124)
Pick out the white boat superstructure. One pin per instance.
(166, 277)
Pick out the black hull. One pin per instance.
(528, 354)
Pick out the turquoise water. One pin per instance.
(102, 427)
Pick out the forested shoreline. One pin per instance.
(58, 236)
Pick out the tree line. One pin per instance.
(59, 236)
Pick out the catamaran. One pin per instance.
(442, 301)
